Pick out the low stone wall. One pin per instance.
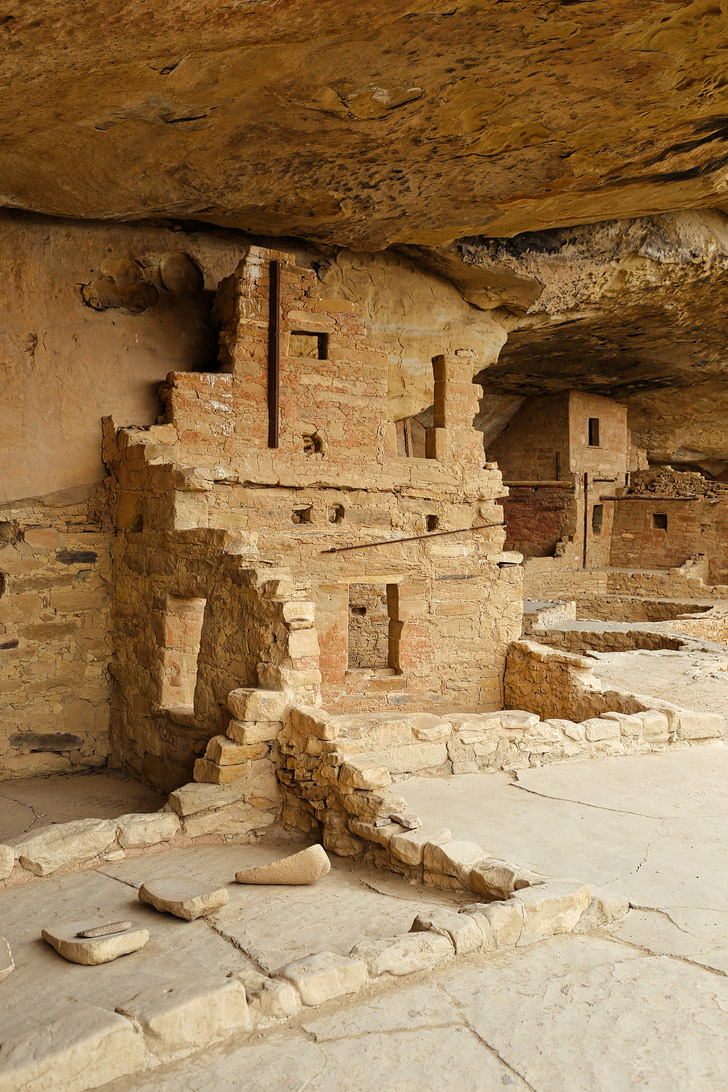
(558, 684)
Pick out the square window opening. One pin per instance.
(659, 521)
(304, 343)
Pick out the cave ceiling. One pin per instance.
(477, 138)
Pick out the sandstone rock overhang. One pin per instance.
(390, 122)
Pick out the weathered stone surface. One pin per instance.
(104, 930)
(7, 963)
(364, 773)
(7, 861)
(404, 955)
(455, 858)
(85, 1047)
(257, 704)
(498, 879)
(461, 929)
(183, 897)
(500, 922)
(202, 797)
(215, 774)
(410, 846)
(147, 830)
(268, 998)
(64, 937)
(321, 977)
(551, 908)
(179, 1016)
(71, 843)
(309, 865)
(248, 732)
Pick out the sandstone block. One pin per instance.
(597, 729)
(248, 703)
(456, 858)
(314, 722)
(178, 1016)
(210, 772)
(309, 865)
(409, 847)
(83, 1048)
(411, 757)
(321, 977)
(238, 819)
(197, 796)
(147, 830)
(363, 773)
(497, 879)
(7, 861)
(405, 954)
(298, 610)
(226, 752)
(7, 963)
(462, 930)
(63, 936)
(502, 922)
(382, 835)
(427, 727)
(302, 644)
(185, 898)
(551, 908)
(700, 725)
(268, 998)
(256, 731)
(67, 844)
(369, 805)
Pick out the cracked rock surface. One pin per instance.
(651, 827)
(577, 1013)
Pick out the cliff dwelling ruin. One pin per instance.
(363, 547)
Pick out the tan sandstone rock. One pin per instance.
(67, 844)
(309, 865)
(64, 937)
(178, 1016)
(183, 897)
(7, 963)
(321, 977)
(7, 861)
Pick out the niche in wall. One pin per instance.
(369, 626)
(182, 629)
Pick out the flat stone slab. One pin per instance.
(7, 963)
(300, 868)
(185, 898)
(89, 951)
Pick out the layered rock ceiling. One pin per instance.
(470, 136)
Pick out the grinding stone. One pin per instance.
(185, 898)
(90, 951)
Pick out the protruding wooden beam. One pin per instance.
(274, 354)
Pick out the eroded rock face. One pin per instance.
(394, 121)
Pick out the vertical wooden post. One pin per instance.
(274, 353)
(586, 517)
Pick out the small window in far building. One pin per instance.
(597, 518)
(659, 521)
(593, 432)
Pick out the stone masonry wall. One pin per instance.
(55, 636)
(333, 485)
